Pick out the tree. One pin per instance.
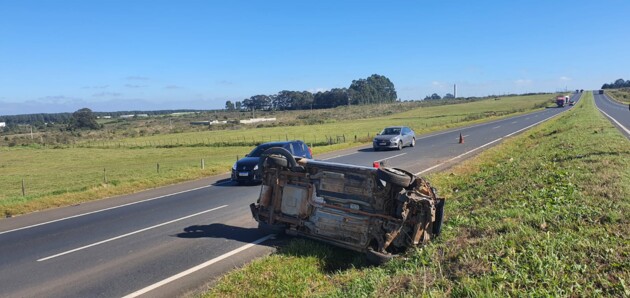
(330, 99)
(374, 89)
(83, 119)
(237, 105)
(229, 105)
(448, 95)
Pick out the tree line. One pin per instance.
(619, 83)
(374, 89)
(65, 118)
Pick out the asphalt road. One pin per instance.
(617, 113)
(167, 241)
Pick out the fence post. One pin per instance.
(104, 176)
(203, 164)
(158, 167)
(23, 189)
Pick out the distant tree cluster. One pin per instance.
(83, 119)
(619, 83)
(41, 119)
(374, 89)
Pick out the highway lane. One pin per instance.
(118, 251)
(617, 113)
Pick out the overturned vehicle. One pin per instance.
(379, 212)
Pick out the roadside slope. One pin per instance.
(543, 213)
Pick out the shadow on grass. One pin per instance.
(590, 154)
(332, 259)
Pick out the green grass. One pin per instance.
(543, 214)
(424, 119)
(621, 95)
(61, 176)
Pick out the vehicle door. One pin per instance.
(405, 136)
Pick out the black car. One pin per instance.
(246, 169)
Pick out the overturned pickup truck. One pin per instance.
(380, 211)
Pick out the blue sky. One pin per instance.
(59, 56)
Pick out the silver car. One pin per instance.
(394, 137)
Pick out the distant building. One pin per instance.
(142, 115)
(3, 124)
(256, 120)
(126, 116)
(107, 117)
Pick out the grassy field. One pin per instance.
(331, 124)
(60, 176)
(621, 95)
(543, 214)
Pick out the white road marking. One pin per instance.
(197, 268)
(496, 127)
(484, 145)
(110, 208)
(613, 119)
(128, 234)
(462, 137)
(386, 158)
(514, 122)
(342, 155)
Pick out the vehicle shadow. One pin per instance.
(229, 183)
(218, 230)
(332, 258)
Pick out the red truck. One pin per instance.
(560, 101)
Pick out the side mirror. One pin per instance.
(246, 155)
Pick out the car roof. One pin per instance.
(280, 142)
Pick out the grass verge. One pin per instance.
(543, 214)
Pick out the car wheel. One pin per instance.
(377, 258)
(439, 218)
(413, 142)
(394, 176)
(277, 229)
(277, 160)
(400, 145)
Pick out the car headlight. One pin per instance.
(234, 167)
(394, 139)
(255, 167)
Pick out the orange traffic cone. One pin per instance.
(461, 138)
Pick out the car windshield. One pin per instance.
(261, 148)
(391, 131)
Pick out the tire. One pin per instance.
(277, 229)
(413, 142)
(400, 145)
(439, 218)
(377, 258)
(394, 176)
(277, 161)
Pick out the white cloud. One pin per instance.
(563, 78)
(106, 94)
(137, 78)
(317, 90)
(523, 82)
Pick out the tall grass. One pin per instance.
(543, 214)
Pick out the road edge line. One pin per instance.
(197, 268)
